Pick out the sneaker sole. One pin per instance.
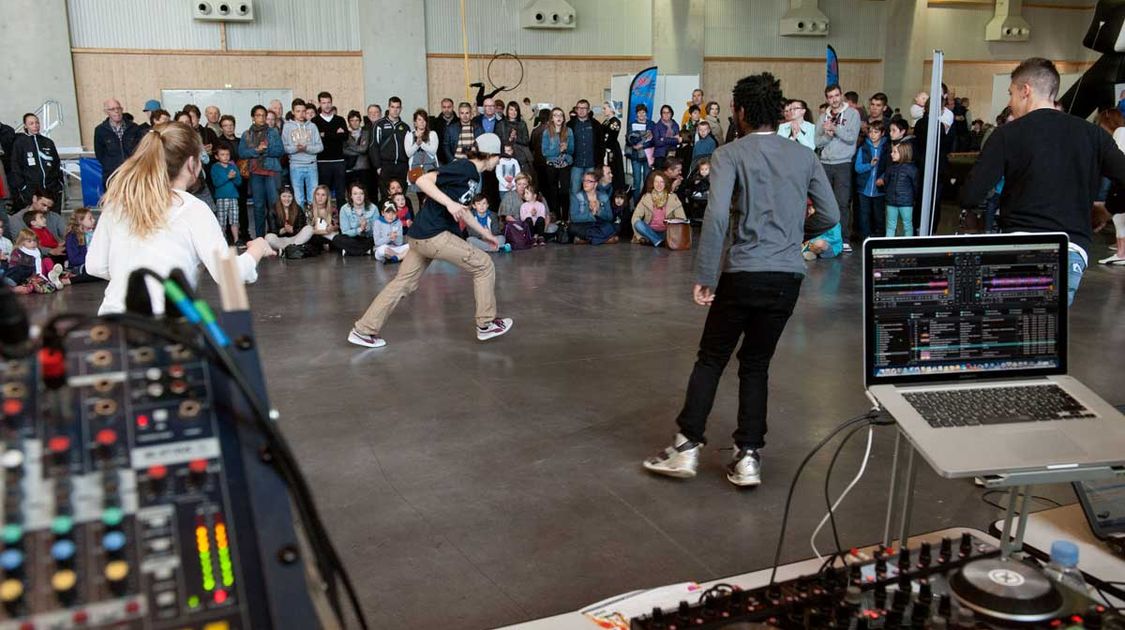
(670, 472)
(744, 483)
(364, 344)
(495, 335)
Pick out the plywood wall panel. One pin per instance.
(560, 81)
(803, 79)
(135, 78)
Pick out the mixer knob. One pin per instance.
(63, 583)
(12, 533)
(903, 560)
(112, 516)
(59, 446)
(946, 549)
(12, 407)
(881, 566)
(900, 599)
(198, 470)
(1094, 616)
(925, 592)
(114, 542)
(924, 555)
(12, 460)
(11, 560)
(855, 573)
(62, 525)
(966, 544)
(116, 573)
(63, 551)
(11, 594)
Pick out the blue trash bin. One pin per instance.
(90, 169)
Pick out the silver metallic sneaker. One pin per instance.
(746, 468)
(679, 460)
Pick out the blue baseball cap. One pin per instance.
(151, 105)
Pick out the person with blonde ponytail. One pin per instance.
(150, 220)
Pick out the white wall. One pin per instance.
(604, 27)
(750, 28)
(37, 66)
(1055, 34)
(167, 25)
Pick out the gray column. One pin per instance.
(37, 64)
(393, 36)
(677, 36)
(905, 52)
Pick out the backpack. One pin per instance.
(294, 252)
(563, 236)
(517, 235)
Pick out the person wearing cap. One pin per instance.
(436, 235)
(115, 138)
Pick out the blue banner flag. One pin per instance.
(641, 91)
(832, 66)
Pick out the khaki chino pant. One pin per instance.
(444, 246)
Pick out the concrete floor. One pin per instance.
(474, 485)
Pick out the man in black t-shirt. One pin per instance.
(1052, 164)
(436, 235)
(330, 161)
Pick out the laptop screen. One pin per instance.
(945, 308)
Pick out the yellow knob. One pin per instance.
(11, 590)
(63, 581)
(117, 570)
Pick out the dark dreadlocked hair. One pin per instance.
(760, 99)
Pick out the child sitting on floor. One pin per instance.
(37, 221)
(79, 231)
(533, 213)
(487, 218)
(403, 211)
(387, 232)
(33, 271)
(827, 244)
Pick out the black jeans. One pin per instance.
(755, 307)
(333, 175)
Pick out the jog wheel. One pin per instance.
(1006, 589)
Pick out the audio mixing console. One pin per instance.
(959, 584)
(133, 498)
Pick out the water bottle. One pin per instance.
(1063, 567)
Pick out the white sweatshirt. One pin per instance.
(190, 236)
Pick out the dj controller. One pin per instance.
(136, 496)
(959, 584)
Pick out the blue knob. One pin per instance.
(113, 541)
(63, 550)
(11, 559)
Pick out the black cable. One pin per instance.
(828, 499)
(867, 417)
(287, 464)
(984, 497)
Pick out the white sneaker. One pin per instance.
(367, 341)
(495, 328)
(679, 460)
(847, 247)
(746, 468)
(809, 254)
(271, 240)
(1113, 260)
(55, 276)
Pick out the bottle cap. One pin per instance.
(1064, 553)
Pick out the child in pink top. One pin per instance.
(533, 213)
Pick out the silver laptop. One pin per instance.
(965, 345)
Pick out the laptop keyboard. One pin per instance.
(996, 405)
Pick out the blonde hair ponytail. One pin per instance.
(140, 191)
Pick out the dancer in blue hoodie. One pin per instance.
(871, 167)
